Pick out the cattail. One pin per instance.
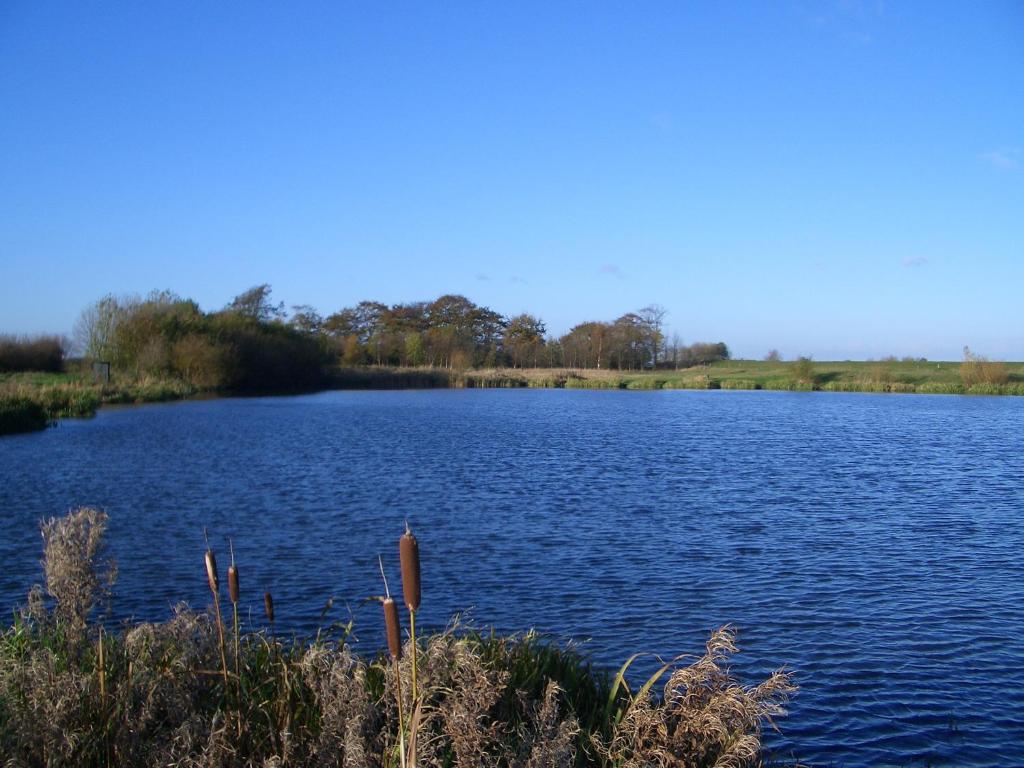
(211, 571)
(409, 555)
(394, 630)
(233, 583)
(214, 582)
(268, 606)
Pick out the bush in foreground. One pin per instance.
(175, 694)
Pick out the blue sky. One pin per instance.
(838, 179)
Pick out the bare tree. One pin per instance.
(94, 330)
(653, 317)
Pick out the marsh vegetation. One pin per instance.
(198, 690)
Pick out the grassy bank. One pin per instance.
(893, 377)
(24, 396)
(30, 401)
(202, 690)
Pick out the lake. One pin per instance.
(872, 543)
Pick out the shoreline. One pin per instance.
(32, 402)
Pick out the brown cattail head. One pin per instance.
(409, 555)
(211, 571)
(233, 583)
(393, 628)
(268, 606)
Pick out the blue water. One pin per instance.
(873, 544)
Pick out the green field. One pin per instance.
(888, 376)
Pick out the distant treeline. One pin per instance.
(31, 353)
(453, 332)
(254, 343)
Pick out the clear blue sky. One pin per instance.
(838, 179)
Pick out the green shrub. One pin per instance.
(940, 388)
(702, 381)
(804, 374)
(986, 389)
(578, 382)
(739, 384)
(68, 401)
(647, 382)
(20, 414)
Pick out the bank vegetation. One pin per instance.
(202, 689)
(162, 346)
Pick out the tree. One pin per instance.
(773, 356)
(255, 303)
(584, 346)
(414, 354)
(653, 317)
(630, 343)
(978, 369)
(352, 352)
(94, 330)
(803, 370)
(524, 337)
(306, 319)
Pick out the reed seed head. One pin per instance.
(393, 628)
(211, 571)
(268, 606)
(409, 555)
(233, 583)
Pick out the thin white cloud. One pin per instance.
(915, 262)
(1005, 159)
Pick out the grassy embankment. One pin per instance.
(897, 377)
(29, 401)
(202, 690)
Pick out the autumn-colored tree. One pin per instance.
(352, 351)
(524, 338)
(978, 369)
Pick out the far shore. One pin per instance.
(31, 401)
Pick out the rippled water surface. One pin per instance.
(874, 544)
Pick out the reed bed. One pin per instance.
(176, 693)
(65, 396)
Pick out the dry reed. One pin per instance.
(213, 581)
(148, 695)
